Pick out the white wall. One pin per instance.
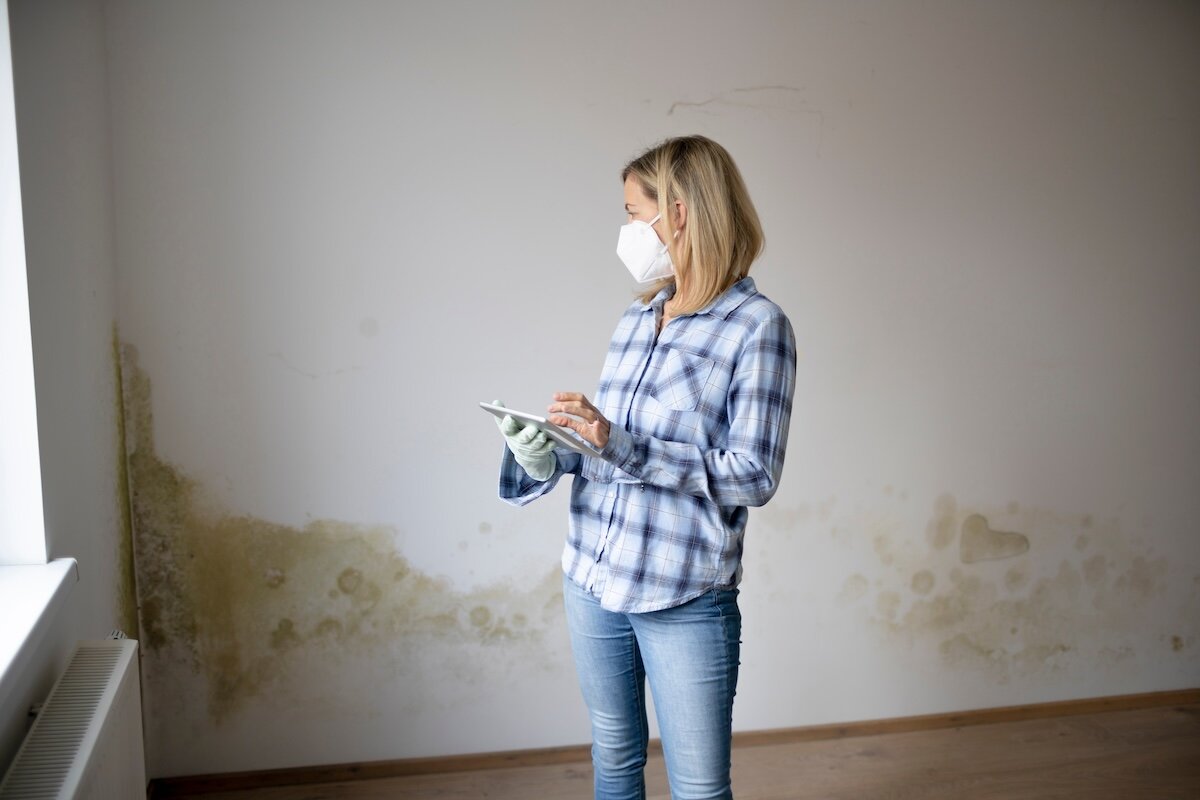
(61, 99)
(338, 226)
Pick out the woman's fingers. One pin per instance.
(586, 419)
(577, 404)
(572, 423)
(586, 414)
(576, 397)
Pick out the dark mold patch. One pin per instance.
(238, 601)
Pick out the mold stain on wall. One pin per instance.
(239, 601)
(978, 542)
(127, 588)
(1025, 591)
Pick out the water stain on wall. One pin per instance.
(992, 606)
(788, 518)
(237, 600)
(883, 549)
(854, 589)
(923, 581)
(940, 532)
(978, 542)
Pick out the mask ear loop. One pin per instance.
(657, 217)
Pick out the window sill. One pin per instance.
(30, 596)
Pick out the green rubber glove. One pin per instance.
(532, 449)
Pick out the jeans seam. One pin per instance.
(639, 707)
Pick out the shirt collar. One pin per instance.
(721, 307)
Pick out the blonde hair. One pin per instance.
(722, 235)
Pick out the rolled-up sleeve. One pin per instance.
(518, 489)
(699, 411)
(745, 470)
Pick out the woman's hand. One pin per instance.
(586, 419)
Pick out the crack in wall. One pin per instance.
(768, 97)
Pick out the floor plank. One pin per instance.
(1122, 755)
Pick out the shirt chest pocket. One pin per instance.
(682, 380)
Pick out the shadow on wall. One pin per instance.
(235, 599)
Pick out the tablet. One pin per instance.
(562, 436)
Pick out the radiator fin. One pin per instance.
(57, 749)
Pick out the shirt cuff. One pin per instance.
(618, 450)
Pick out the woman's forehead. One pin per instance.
(633, 191)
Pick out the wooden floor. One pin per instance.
(1130, 755)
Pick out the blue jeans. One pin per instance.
(690, 653)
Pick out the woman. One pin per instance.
(691, 423)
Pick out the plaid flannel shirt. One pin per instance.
(699, 421)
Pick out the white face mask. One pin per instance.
(646, 258)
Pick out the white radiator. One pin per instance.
(86, 743)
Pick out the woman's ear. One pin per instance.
(680, 214)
